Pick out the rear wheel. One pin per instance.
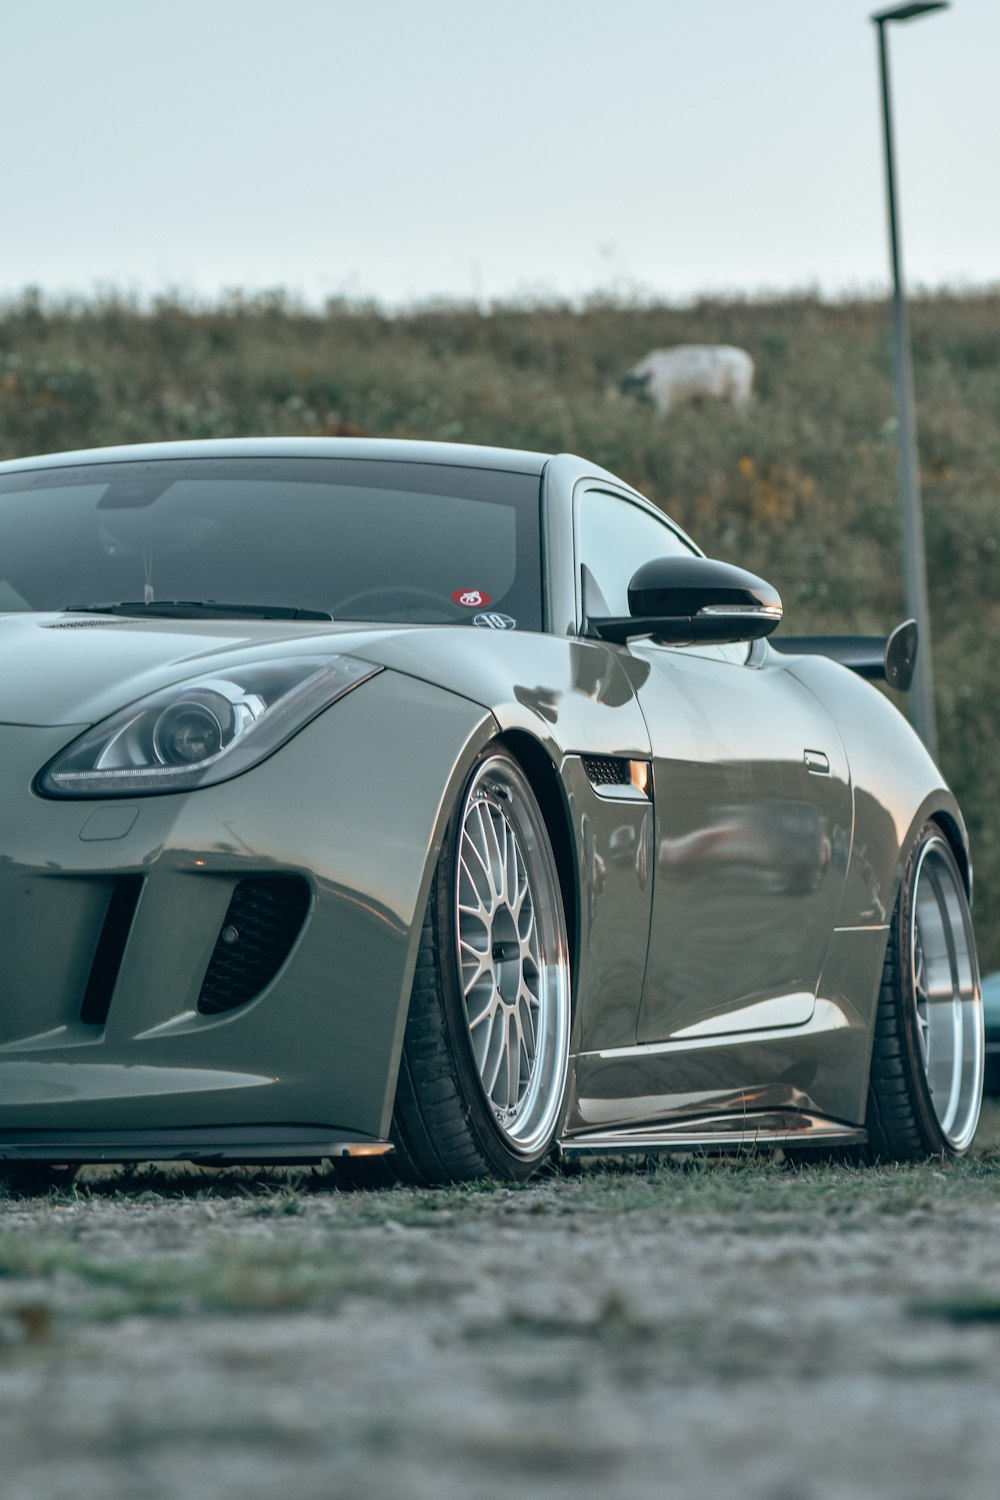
(926, 1081)
(486, 1047)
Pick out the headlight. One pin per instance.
(200, 731)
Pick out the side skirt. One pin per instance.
(280, 1144)
(719, 1133)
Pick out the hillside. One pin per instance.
(800, 487)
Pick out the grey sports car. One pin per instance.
(386, 797)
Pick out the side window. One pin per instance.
(614, 538)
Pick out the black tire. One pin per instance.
(447, 1124)
(921, 1101)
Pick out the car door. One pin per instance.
(752, 804)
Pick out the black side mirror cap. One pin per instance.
(686, 600)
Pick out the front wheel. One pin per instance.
(486, 1047)
(926, 1081)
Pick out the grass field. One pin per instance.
(821, 1332)
(800, 487)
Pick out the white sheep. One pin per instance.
(693, 372)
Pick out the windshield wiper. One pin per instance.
(179, 609)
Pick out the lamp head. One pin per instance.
(908, 12)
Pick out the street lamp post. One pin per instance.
(914, 558)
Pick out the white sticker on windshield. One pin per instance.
(492, 619)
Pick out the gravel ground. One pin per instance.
(800, 1335)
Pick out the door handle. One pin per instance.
(816, 762)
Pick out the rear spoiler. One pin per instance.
(880, 658)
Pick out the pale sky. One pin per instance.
(406, 149)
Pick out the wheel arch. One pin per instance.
(903, 1121)
(955, 836)
(939, 807)
(945, 815)
(544, 780)
(546, 785)
(429, 1092)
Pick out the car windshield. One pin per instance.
(355, 539)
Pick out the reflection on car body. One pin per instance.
(782, 845)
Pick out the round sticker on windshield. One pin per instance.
(493, 620)
(471, 598)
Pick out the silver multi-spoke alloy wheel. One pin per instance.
(946, 993)
(512, 955)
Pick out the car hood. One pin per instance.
(58, 669)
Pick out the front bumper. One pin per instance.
(354, 806)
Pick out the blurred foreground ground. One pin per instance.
(695, 1330)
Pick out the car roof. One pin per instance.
(382, 450)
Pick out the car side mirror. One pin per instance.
(687, 600)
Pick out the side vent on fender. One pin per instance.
(265, 916)
(617, 778)
(608, 770)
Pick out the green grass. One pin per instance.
(800, 487)
(669, 1186)
(231, 1278)
(109, 1248)
(50, 1276)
